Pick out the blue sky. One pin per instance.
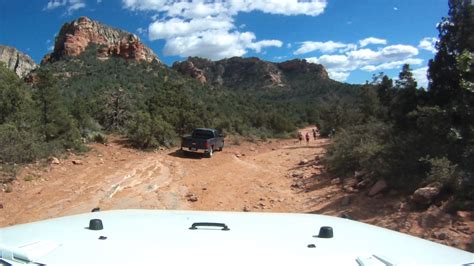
(353, 39)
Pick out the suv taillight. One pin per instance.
(206, 144)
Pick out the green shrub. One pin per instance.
(19, 146)
(147, 133)
(96, 136)
(360, 148)
(442, 170)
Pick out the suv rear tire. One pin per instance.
(210, 152)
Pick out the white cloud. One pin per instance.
(216, 44)
(386, 54)
(204, 8)
(392, 65)
(336, 65)
(257, 46)
(364, 55)
(428, 44)
(372, 40)
(55, 4)
(279, 58)
(283, 7)
(325, 47)
(142, 31)
(179, 27)
(339, 66)
(333, 62)
(398, 51)
(49, 45)
(213, 44)
(210, 37)
(71, 5)
(339, 76)
(421, 76)
(75, 5)
(206, 27)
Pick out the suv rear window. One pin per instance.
(202, 134)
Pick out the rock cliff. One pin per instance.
(76, 36)
(16, 61)
(248, 73)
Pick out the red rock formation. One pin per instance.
(76, 36)
(249, 73)
(188, 68)
(303, 66)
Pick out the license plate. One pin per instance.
(193, 149)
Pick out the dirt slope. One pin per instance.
(275, 176)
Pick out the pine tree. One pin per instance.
(55, 122)
(405, 98)
(405, 78)
(15, 99)
(456, 38)
(451, 75)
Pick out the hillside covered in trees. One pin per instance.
(80, 99)
(413, 137)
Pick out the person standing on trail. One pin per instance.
(300, 136)
(315, 133)
(307, 138)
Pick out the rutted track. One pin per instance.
(258, 176)
(251, 176)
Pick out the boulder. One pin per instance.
(345, 216)
(7, 188)
(351, 182)
(440, 235)
(296, 174)
(350, 189)
(364, 183)
(191, 197)
(433, 217)
(378, 187)
(346, 201)
(297, 184)
(303, 162)
(358, 174)
(54, 160)
(426, 195)
(464, 215)
(336, 181)
(77, 162)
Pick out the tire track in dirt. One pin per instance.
(251, 176)
(116, 177)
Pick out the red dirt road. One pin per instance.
(270, 176)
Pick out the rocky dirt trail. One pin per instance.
(265, 176)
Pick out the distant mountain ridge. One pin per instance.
(76, 36)
(248, 73)
(252, 73)
(18, 62)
